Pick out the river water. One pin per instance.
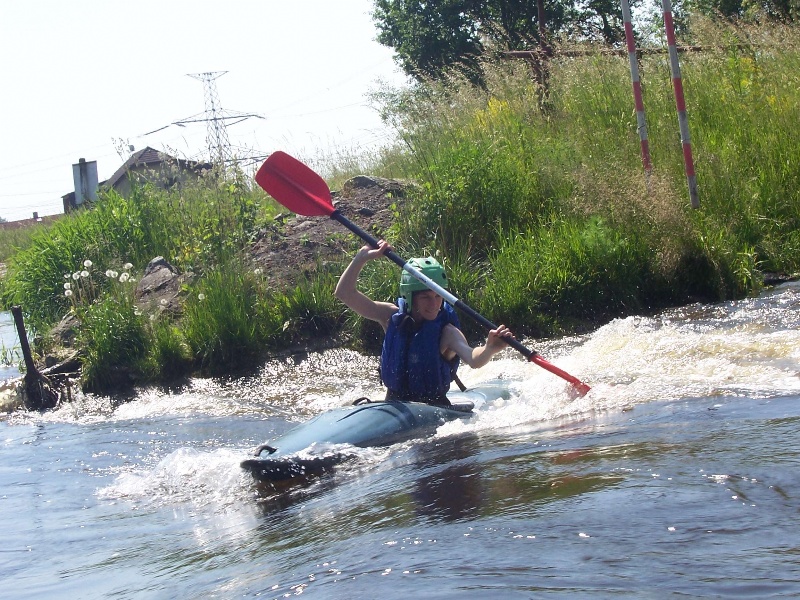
(10, 353)
(677, 476)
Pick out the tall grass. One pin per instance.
(233, 315)
(114, 341)
(224, 323)
(575, 271)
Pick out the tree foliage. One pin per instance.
(431, 38)
(784, 11)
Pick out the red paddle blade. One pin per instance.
(295, 185)
(580, 388)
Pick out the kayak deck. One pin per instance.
(317, 446)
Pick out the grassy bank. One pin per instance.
(536, 202)
(549, 202)
(87, 265)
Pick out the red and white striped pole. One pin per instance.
(683, 121)
(637, 87)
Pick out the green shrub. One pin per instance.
(169, 356)
(221, 321)
(113, 335)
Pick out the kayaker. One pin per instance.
(423, 345)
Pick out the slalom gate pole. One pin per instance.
(683, 120)
(637, 89)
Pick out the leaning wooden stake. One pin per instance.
(37, 392)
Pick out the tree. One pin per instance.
(429, 37)
(432, 37)
(778, 10)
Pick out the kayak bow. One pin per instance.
(317, 446)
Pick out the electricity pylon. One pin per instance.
(219, 146)
(215, 117)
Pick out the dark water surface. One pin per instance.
(677, 476)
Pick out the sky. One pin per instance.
(90, 78)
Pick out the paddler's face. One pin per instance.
(425, 305)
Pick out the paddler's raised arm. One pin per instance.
(453, 341)
(347, 288)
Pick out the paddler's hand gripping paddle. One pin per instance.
(304, 192)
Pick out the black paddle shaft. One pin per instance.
(391, 255)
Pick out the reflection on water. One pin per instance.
(455, 489)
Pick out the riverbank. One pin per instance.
(539, 211)
(286, 255)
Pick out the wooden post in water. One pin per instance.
(30, 366)
(37, 393)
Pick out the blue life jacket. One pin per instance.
(412, 367)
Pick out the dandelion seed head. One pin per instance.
(127, 266)
(76, 275)
(67, 285)
(68, 293)
(87, 263)
(84, 273)
(124, 277)
(109, 273)
(164, 302)
(201, 296)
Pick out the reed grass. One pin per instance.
(223, 324)
(10, 356)
(234, 315)
(169, 356)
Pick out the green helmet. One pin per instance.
(429, 267)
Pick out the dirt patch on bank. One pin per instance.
(295, 247)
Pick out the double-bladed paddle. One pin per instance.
(304, 192)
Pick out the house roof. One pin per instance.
(149, 156)
(145, 156)
(21, 223)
